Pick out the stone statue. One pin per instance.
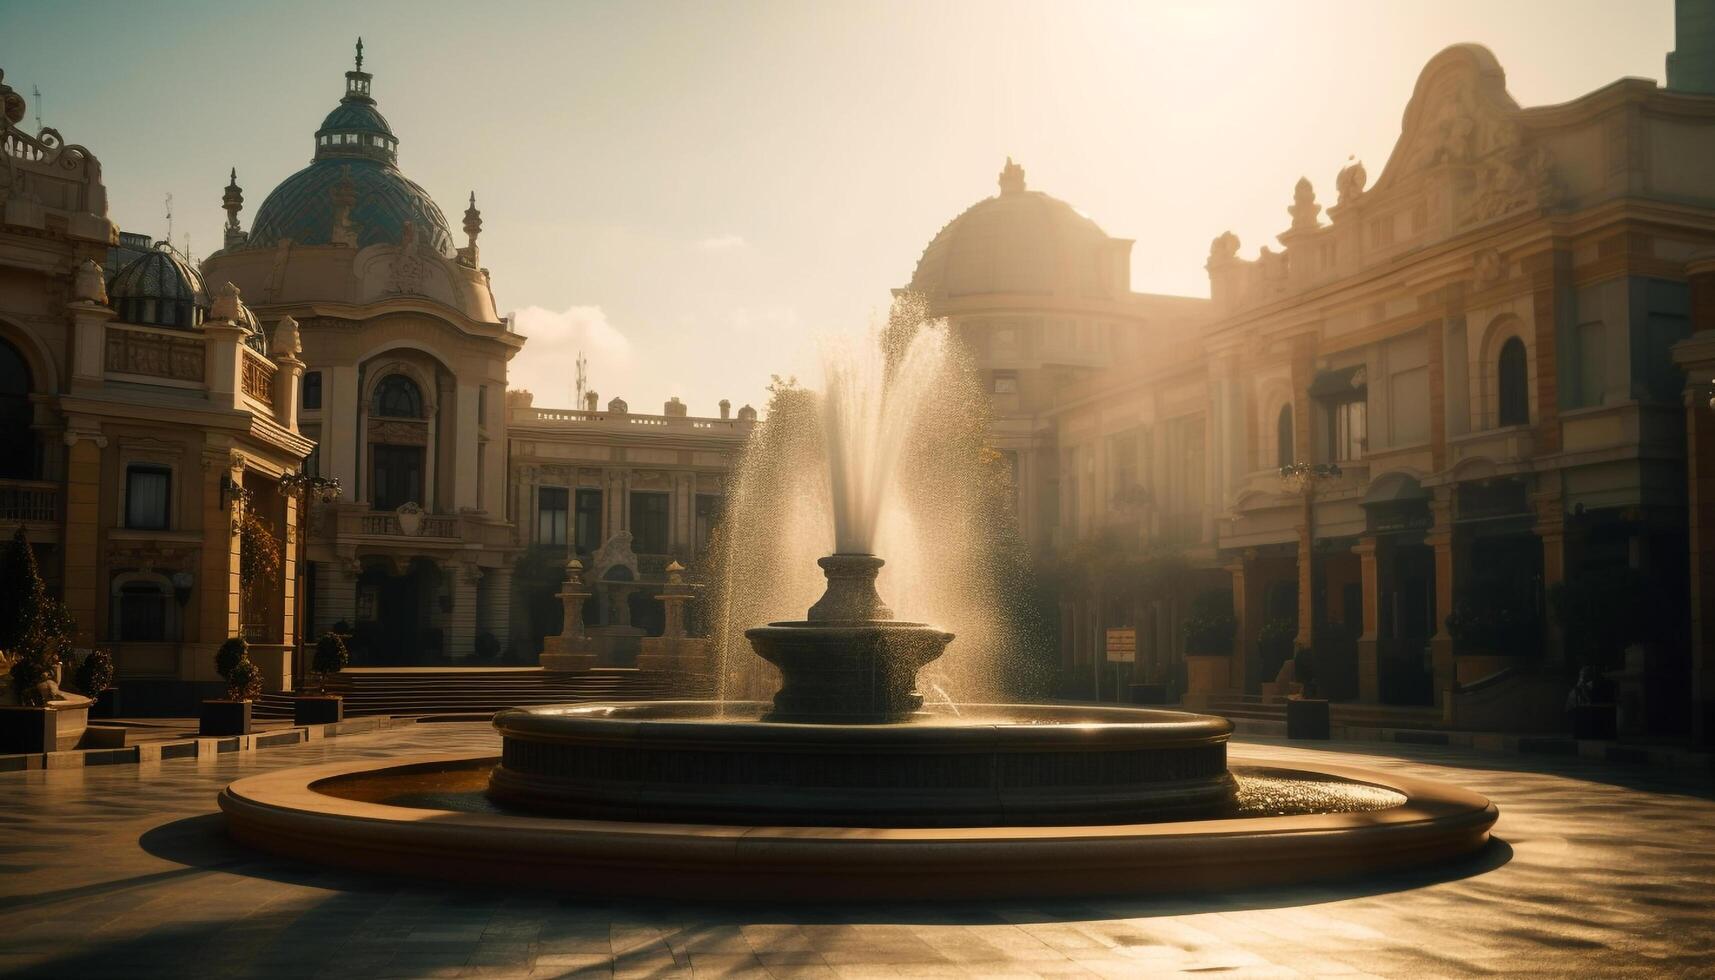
(89, 285)
(1350, 182)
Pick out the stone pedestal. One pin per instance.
(571, 650)
(1206, 676)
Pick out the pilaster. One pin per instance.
(1369, 643)
(1441, 539)
(82, 527)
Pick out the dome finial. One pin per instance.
(233, 202)
(360, 53)
(1011, 178)
(472, 227)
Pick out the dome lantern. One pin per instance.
(355, 128)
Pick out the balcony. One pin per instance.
(346, 522)
(33, 503)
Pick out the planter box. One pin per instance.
(318, 709)
(106, 704)
(1306, 718)
(224, 717)
(49, 729)
(1594, 720)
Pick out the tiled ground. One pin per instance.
(122, 871)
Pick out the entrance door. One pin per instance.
(1408, 621)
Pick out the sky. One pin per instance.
(694, 193)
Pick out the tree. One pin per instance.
(331, 656)
(34, 628)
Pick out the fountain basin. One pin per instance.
(1019, 765)
(327, 814)
(851, 673)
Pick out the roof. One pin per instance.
(302, 207)
(1021, 242)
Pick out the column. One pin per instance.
(497, 603)
(82, 521)
(289, 572)
(1369, 643)
(1550, 529)
(336, 595)
(1696, 355)
(1440, 538)
(1549, 279)
(1306, 638)
(461, 621)
(218, 587)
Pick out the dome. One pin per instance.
(383, 199)
(354, 142)
(1022, 242)
(160, 289)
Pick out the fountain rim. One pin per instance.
(284, 813)
(1129, 728)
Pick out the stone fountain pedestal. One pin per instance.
(571, 651)
(674, 651)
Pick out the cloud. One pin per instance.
(721, 243)
(548, 364)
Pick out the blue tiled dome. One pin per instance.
(302, 207)
(353, 140)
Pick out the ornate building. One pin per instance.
(404, 391)
(1468, 366)
(146, 422)
(579, 477)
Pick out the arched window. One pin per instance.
(1514, 394)
(1283, 437)
(397, 397)
(18, 462)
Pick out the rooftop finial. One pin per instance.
(1011, 178)
(360, 54)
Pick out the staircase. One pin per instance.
(1253, 715)
(478, 691)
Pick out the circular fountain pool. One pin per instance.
(988, 764)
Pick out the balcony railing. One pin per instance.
(29, 502)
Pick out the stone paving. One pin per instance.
(122, 871)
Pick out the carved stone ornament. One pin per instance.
(410, 518)
(1224, 247)
(1304, 208)
(286, 339)
(613, 555)
(1489, 265)
(89, 285)
(407, 273)
(225, 305)
(1350, 182)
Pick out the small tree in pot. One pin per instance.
(322, 708)
(231, 715)
(95, 679)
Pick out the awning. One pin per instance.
(1340, 381)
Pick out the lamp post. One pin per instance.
(1303, 478)
(304, 488)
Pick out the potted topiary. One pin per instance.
(95, 680)
(322, 708)
(231, 715)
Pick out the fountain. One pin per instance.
(844, 783)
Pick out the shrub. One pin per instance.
(95, 674)
(1496, 619)
(1602, 611)
(1211, 626)
(244, 682)
(231, 653)
(331, 655)
(487, 646)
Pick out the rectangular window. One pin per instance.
(588, 528)
(313, 391)
(142, 614)
(1347, 430)
(1408, 409)
(650, 533)
(551, 515)
(397, 476)
(147, 495)
(1005, 383)
(708, 515)
(1123, 479)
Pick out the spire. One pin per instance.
(1011, 178)
(233, 202)
(357, 80)
(472, 228)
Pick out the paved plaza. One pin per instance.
(122, 871)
